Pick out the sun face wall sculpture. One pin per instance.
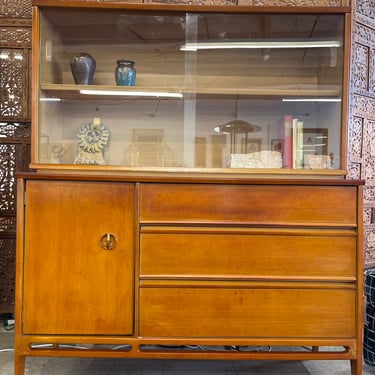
(92, 138)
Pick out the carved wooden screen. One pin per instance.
(15, 63)
(361, 136)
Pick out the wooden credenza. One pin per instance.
(161, 267)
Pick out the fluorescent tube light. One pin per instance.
(133, 93)
(50, 99)
(261, 44)
(312, 100)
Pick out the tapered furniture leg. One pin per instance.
(19, 365)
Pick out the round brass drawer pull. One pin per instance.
(108, 241)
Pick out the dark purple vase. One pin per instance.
(83, 68)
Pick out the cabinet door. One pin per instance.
(72, 283)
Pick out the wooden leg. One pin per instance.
(19, 364)
(356, 366)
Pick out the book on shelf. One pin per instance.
(297, 143)
(292, 132)
(287, 135)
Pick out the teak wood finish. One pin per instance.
(148, 263)
(259, 262)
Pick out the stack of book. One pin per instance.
(293, 142)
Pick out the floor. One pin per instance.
(88, 366)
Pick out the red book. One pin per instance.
(288, 142)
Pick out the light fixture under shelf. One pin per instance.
(157, 94)
(50, 99)
(260, 44)
(325, 100)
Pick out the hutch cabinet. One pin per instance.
(202, 211)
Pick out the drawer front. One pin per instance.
(264, 312)
(257, 204)
(220, 253)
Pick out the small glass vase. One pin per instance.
(125, 73)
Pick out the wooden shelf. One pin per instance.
(72, 91)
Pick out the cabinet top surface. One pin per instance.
(187, 179)
(192, 7)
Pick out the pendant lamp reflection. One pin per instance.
(237, 127)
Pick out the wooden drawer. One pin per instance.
(282, 311)
(234, 253)
(253, 204)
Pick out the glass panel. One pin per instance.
(212, 90)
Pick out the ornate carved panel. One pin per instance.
(301, 3)
(192, 2)
(369, 151)
(361, 140)
(355, 139)
(115, 1)
(7, 273)
(15, 8)
(14, 84)
(365, 9)
(369, 244)
(15, 73)
(14, 36)
(307, 3)
(14, 157)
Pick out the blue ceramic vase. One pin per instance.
(125, 73)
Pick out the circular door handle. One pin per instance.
(108, 241)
